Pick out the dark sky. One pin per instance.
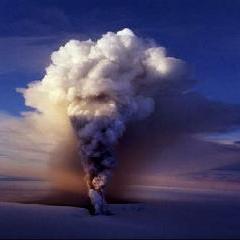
(205, 34)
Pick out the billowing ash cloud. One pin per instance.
(101, 86)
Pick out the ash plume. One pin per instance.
(116, 97)
(100, 86)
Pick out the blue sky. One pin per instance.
(205, 34)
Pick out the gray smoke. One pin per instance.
(101, 86)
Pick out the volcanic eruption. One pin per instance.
(100, 86)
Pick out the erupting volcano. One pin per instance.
(102, 85)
